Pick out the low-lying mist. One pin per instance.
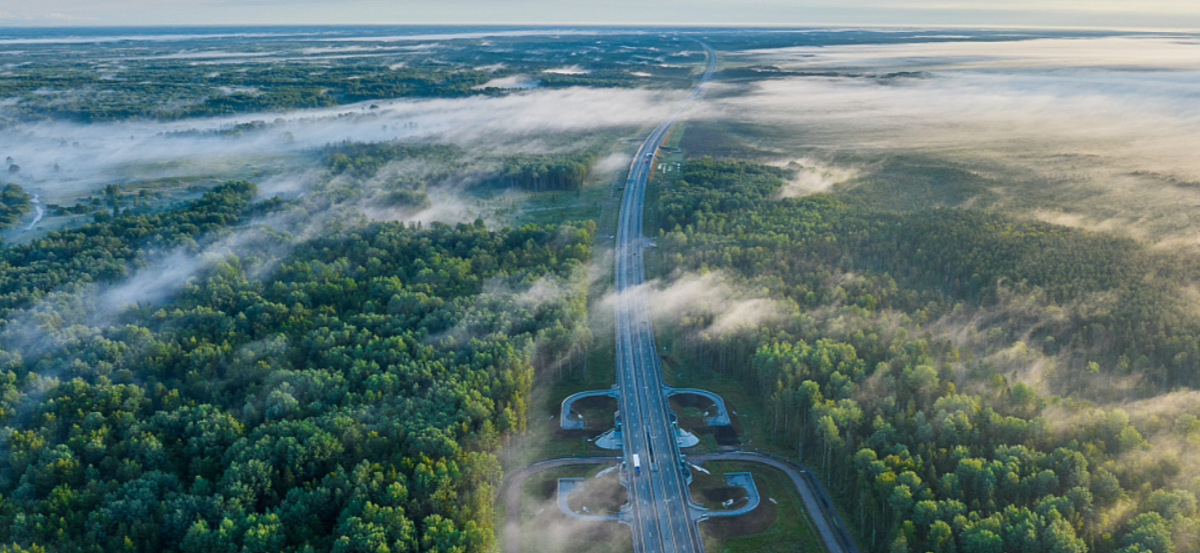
(714, 302)
(1095, 133)
(61, 160)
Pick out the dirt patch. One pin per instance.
(718, 496)
(710, 491)
(691, 400)
(690, 409)
(726, 436)
(754, 522)
(595, 403)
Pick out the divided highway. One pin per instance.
(662, 518)
(660, 511)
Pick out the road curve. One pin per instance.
(836, 541)
(510, 488)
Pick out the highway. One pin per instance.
(660, 509)
(662, 520)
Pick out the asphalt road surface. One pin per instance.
(662, 520)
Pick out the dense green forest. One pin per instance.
(340, 393)
(898, 364)
(111, 248)
(541, 172)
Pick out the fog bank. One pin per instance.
(1102, 129)
(60, 159)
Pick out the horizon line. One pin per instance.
(713, 26)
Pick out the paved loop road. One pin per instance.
(511, 489)
(835, 540)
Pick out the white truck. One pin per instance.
(637, 465)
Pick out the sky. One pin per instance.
(1112, 14)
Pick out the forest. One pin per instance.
(344, 392)
(543, 172)
(897, 366)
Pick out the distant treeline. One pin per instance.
(77, 84)
(540, 172)
(254, 89)
(366, 159)
(675, 77)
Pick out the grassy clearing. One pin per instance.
(598, 200)
(778, 525)
(546, 208)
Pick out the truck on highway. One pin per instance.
(637, 465)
